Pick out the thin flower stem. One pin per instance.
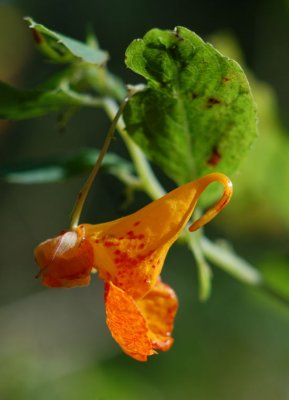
(76, 212)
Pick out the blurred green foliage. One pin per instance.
(62, 49)
(58, 169)
(261, 186)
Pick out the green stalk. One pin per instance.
(204, 269)
(149, 182)
(82, 195)
(230, 262)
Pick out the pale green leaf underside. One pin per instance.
(63, 49)
(16, 104)
(58, 169)
(197, 114)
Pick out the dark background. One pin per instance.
(54, 344)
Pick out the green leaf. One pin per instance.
(197, 114)
(63, 49)
(16, 104)
(58, 169)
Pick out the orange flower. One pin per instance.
(129, 254)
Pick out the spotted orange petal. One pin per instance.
(143, 326)
(131, 251)
(159, 308)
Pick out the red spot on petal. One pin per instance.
(136, 223)
(108, 243)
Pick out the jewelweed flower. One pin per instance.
(128, 254)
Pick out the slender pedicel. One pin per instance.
(82, 195)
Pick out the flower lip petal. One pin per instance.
(126, 323)
(159, 308)
(143, 326)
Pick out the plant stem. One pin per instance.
(230, 262)
(82, 195)
(149, 182)
(237, 267)
(204, 270)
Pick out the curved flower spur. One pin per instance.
(128, 254)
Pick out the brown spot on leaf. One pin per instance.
(194, 96)
(37, 36)
(212, 101)
(226, 79)
(215, 158)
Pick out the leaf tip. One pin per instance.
(30, 21)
